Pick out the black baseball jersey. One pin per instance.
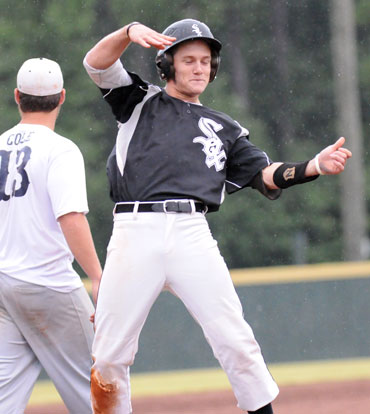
(169, 149)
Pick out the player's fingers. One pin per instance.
(143, 43)
(345, 151)
(169, 38)
(339, 143)
(157, 35)
(338, 166)
(334, 167)
(161, 44)
(150, 41)
(157, 40)
(338, 156)
(164, 38)
(342, 153)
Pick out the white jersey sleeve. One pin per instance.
(113, 77)
(66, 181)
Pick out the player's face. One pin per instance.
(192, 62)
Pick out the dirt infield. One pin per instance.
(329, 398)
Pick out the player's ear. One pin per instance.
(62, 96)
(16, 96)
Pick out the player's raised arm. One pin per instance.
(330, 161)
(111, 47)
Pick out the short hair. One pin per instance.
(32, 103)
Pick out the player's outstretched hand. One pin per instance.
(146, 37)
(332, 159)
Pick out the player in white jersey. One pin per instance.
(45, 310)
(172, 162)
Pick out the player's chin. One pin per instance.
(199, 87)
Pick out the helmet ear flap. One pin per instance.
(215, 63)
(165, 66)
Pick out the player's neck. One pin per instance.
(47, 119)
(175, 93)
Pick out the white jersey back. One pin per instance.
(42, 177)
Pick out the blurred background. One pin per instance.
(296, 74)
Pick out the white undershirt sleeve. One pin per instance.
(113, 77)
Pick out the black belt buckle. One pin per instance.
(170, 206)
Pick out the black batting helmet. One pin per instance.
(183, 30)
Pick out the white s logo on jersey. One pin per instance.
(212, 144)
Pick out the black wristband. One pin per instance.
(289, 174)
(129, 27)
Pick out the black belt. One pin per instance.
(169, 206)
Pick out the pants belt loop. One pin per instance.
(136, 209)
(192, 205)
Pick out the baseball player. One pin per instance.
(172, 162)
(44, 308)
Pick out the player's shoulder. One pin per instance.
(63, 143)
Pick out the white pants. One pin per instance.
(150, 252)
(42, 327)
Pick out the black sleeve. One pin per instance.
(124, 99)
(258, 184)
(244, 165)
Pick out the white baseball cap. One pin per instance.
(40, 77)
